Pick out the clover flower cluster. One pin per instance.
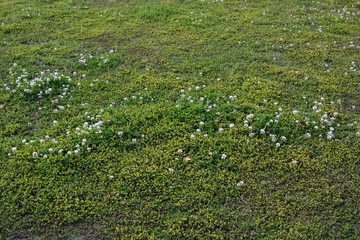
(21, 84)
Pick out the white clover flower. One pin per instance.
(34, 154)
(250, 117)
(202, 123)
(23, 141)
(277, 145)
(51, 150)
(358, 134)
(14, 149)
(231, 125)
(330, 135)
(120, 133)
(45, 156)
(283, 138)
(251, 135)
(294, 162)
(201, 99)
(314, 108)
(88, 149)
(171, 170)
(295, 112)
(111, 176)
(221, 130)
(180, 151)
(134, 141)
(198, 131)
(240, 183)
(262, 131)
(224, 156)
(192, 136)
(55, 122)
(307, 135)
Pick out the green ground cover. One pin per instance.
(179, 119)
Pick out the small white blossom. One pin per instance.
(277, 145)
(224, 156)
(250, 117)
(134, 141)
(240, 183)
(171, 170)
(231, 125)
(34, 154)
(330, 135)
(14, 149)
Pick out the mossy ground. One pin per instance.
(201, 119)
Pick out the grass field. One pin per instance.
(179, 119)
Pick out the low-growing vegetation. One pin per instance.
(184, 119)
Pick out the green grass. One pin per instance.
(261, 96)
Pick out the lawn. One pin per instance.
(179, 119)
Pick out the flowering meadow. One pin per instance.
(179, 119)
